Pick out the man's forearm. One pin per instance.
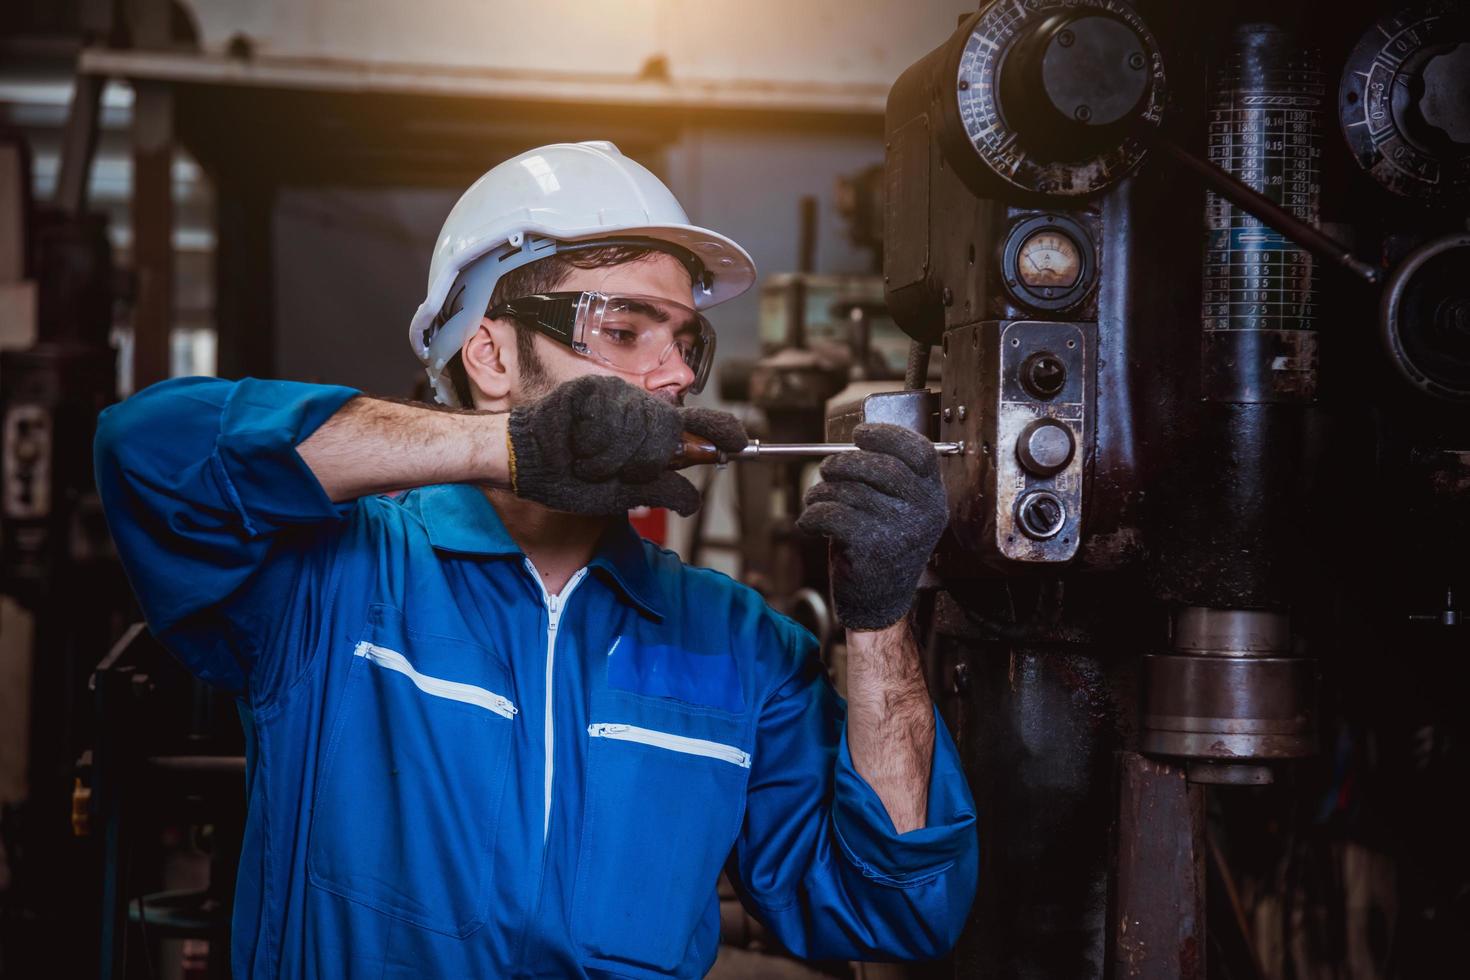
(372, 446)
(890, 720)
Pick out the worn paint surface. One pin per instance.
(1160, 912)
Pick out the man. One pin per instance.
(491, 732)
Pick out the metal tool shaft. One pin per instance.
(758, 449)
(695, 450)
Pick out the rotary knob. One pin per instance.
(1047, 97)
(1041, 515)
(1045, 447)
(1404, 105)
(1074, 83)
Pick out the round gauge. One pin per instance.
(1048, 261)
(1054, 96)
(1049, 258)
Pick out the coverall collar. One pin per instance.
(460, 519)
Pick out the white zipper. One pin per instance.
(672, 742)
(437, 686)
(554, 607)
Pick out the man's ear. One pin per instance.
(489, 357)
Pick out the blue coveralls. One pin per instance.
(453, 774)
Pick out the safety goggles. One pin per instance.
(634, 334)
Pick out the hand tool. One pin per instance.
(694, 450)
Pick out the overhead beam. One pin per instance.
(514, 86)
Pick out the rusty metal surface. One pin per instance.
(1260, 365)
(1159, 918)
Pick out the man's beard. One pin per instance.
(535, 380)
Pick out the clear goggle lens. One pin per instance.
(639, 334)
(634, 334)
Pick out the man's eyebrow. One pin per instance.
(649, 310)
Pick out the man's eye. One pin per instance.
(620, 338)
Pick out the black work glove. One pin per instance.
(598, 445)
(884, 509)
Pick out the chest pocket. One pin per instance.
(664, 801)
(415, 768)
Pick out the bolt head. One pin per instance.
(1083, 113)
(1136, 60)
(1066, 39)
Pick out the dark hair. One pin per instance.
(541, 276)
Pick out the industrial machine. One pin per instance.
(1200, 280)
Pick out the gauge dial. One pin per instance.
(1049, 258)
(1049, 262)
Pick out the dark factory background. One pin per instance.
(1196, 624)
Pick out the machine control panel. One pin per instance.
(1023, 401)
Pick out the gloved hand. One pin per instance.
(884, 509)
(598, 445)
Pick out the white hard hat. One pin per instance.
(523, 209)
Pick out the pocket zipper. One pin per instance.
(437, 686)
(674, 743)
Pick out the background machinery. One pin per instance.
(1197, 274)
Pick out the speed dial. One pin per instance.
(1403, 101)
(1048, 262)
(1055, 96)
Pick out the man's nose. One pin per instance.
(672, 375)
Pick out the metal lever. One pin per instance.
(695, 450)
(1247, 198)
